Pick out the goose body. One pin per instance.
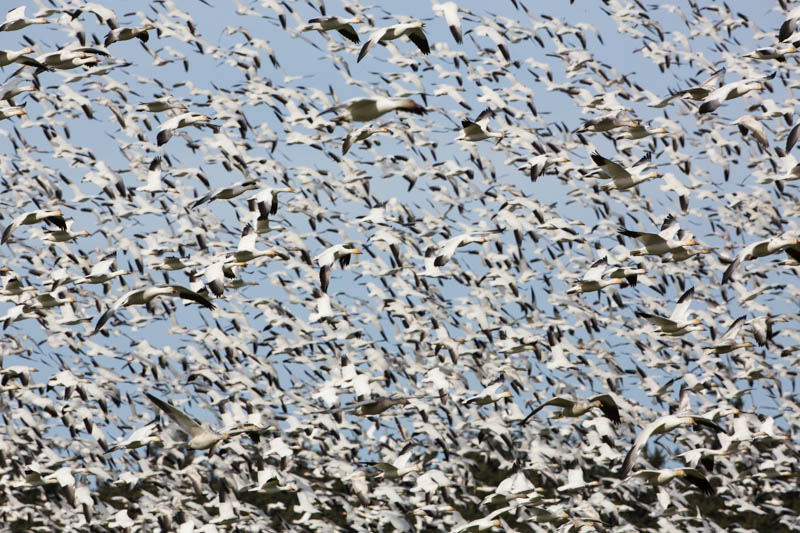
(366, 109)
(342, 25)
(145, 295)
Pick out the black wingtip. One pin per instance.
(162, 137)
(709, 107)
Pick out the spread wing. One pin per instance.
(373, 39)
(188, 424)
(10, 229)
(744, 254)
(596, 270)
(659, 321)
(681, 310)
(188, 294)
(733, 329)
(707, 422)
(648, 239)
(557, 401)
(419, 39)
(636, 449)
(669, 228)
(470, 128)
(348, 142)
(610, 168)
(350, 33)
(696, 478)
(609, 407)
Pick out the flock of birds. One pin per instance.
(379, 260)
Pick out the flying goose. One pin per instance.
(201, 438)
(575, 408)
(412, 30)
(678, 323)
(144, 295)
(342, 25)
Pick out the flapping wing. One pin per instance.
(609, 407)
(324, 278)
(347, 143)
(373, 39)
(470, 128)
(681, 310)
(163, 136)
(419, 39)
(647, 475)
(349, 33)
(669, 228)
(733, 329)
(557, 401)
(596, 270)
(10, 229)
(188, 294)
(103, 319)
(648, 239)
(707, 422)
(659, 321)
(610, 168)
(728, 274)
(696, 478)
(633, 454)
(189, 425)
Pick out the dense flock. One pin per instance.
(462, 266)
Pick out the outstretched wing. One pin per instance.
(696, 478)
(419, 39)
(373, 39)
(610, 168)
(707, 422)
(188, 294)
(350, 33)
(733, 329)
(638, 445)
(189, 425)
(558, 401)
(609, 407)
(103, 319)
(681, 310)
(10, 229)
(596, 269)
(659, 321)
(648, 239)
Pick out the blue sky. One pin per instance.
(313, 73)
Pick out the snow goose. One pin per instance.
(665, 475)
(201, 438)
(730, 91)
(325, 260)
(678, 323)
(168, 128)
(51, 216)
(16, 20)
(126, 34)
(575, 408)
(665, 424)
(366, 109)
(342, 25)
(622, 178)
(593, 279)
(773, 245)
(669, 240)
(145, 295)
(412, 30)
(475, 130)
